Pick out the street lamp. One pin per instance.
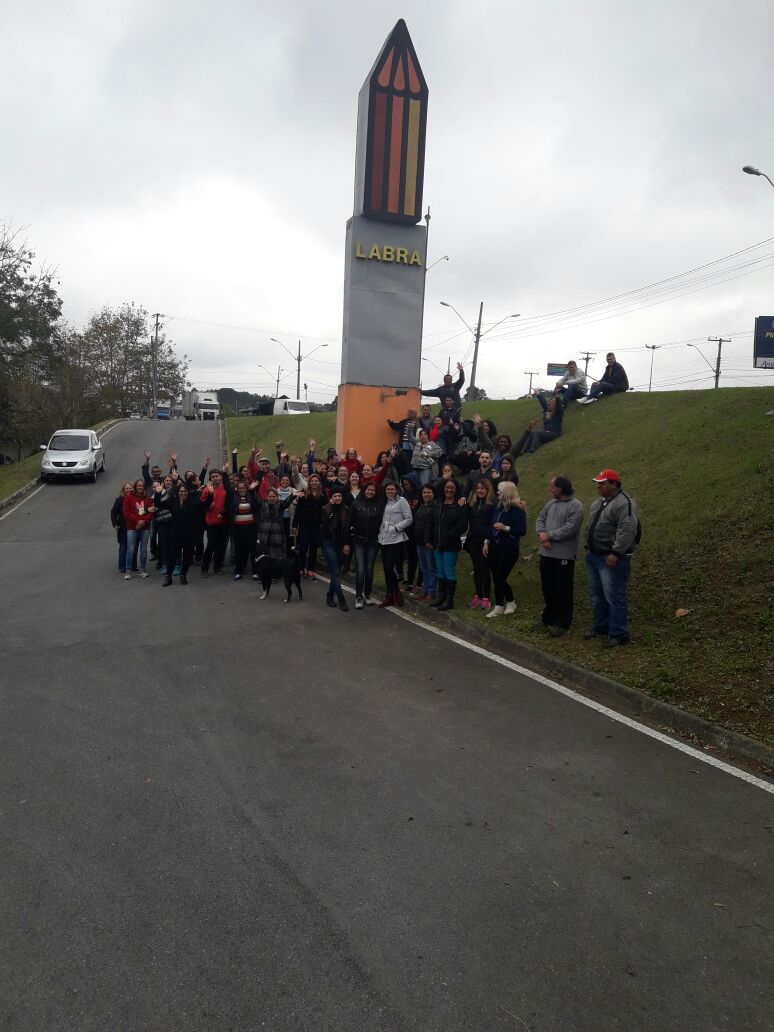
(716, 368)
(280, 371)
(751, 170)
(297, 359)
(478, 334)
(443, 258)
(652, 348)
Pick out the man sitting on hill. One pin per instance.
(572, 384)
(614, 381)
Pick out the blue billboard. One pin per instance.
(763, 342)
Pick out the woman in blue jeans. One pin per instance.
(334, 541)
(363, 521)
(423, 539)
(450, 521)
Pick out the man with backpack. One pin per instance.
(612, 532)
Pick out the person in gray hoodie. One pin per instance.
(558, 529)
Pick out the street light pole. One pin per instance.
(751, 170)
(477, 335)
(652, 348)
(297, 358)
(475, 350)
(720, 341)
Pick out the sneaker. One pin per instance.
(590, 401)
(331, 601)
(359, 602)
(343, 605)
(310, 575)
(510, 608)
(255, 576)
(495, 611)
(237, 576)
(370, 601)
(474, 603)
(127, 576)
(143, 573)
(484, 603)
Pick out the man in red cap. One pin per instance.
(611, 534)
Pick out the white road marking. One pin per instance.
(689, 750)
(22, 502)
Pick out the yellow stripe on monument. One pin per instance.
(412, 153)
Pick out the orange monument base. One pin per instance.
(362, 414)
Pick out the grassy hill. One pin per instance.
(701, 466)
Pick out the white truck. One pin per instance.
(200, 405)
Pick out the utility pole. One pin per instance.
(475, 350)
(298, 372)
(155, 366)
(720, 341)
(652, 348)
(530, 373)
(587, 356)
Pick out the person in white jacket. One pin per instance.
(572, 385)
(392, 533)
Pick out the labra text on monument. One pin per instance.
(387, 253)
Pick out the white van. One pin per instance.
(72, 453)
(288, 407)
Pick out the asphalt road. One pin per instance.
(220, 814)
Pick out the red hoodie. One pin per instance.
(215, 514)
(137, 512)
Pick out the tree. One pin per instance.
(29, 311)
(475, 394)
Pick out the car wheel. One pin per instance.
(102, 467)
(94, 474)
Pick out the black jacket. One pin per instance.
(616, 375)
(452, 392)
(552, 422)
(449, 524)
(364, 519)
(479, 520)
(333, 524)
(309, 511)
(423, 524)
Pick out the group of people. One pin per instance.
(572, 386)
(435, 493)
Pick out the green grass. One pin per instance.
(701, 466)
(20, 473)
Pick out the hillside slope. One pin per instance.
(701, 466)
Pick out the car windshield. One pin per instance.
(296, 406)
(69, 442)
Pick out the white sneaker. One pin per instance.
(359, 602)
(370, 601)
(143, 573)
(127, 576)
(582, 401)
(590, 401)
(495, 611)
(510, 607)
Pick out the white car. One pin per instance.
(72, 453)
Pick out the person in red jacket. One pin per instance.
(215, 501)
(137, 515)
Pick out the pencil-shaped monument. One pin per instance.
(384, 274)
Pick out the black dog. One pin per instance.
(287, 570)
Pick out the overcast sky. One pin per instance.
(198, 160)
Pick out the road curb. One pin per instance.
(20, 493)
(603, 689)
